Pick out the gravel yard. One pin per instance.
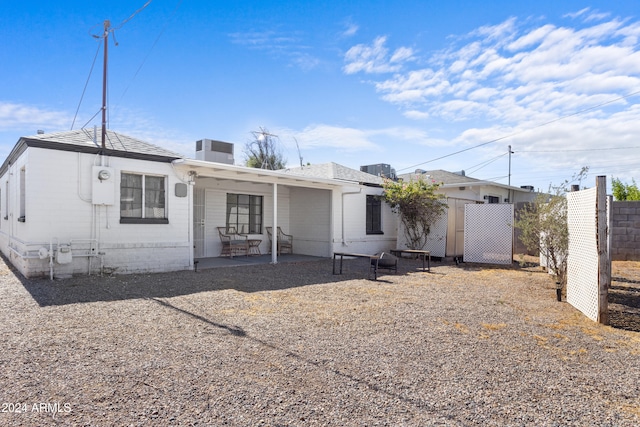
(292, 344)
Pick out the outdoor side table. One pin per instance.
(425, 255)
(254, 246)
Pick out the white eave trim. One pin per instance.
(244, 173)
(484, 184)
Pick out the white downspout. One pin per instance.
(274, 228)
(190, 186)
(190, 180)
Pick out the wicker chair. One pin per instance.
(285, 241)
(232, 242)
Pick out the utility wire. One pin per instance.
(155, 42)
(132, 15)
(84, 90)
(584, 149)
(101, 36)
(93, 117)
(526, 130)
(486, 163)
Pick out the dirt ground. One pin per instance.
(624, 295)
(294, 344)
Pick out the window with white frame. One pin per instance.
(142, 199)
(244, 212)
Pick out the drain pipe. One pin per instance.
(344, 193)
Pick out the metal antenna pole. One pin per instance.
(107, 24)
(510, 153)
(298, 147)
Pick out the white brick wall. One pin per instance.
(353, 237)
(59, 209)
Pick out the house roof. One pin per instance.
(441, 176)
(335, 171)
(452, 179)
(84, 139)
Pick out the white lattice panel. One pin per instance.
(582, 258)
(488, 233)
(437, 238)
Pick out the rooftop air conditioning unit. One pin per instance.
(214, 151)
(381, 169)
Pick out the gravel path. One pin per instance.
(292, 344)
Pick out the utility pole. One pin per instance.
(107, 24)
(510, 153)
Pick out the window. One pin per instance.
(23, 195)
(493, 199)
(6, 200)
(374, 215)
(142, 199)
(244, 212)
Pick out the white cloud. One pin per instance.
(538, 85)
(351, 30)
(19, 116)
(587, 15)
(327, 136)
(375, 58)
(537, 69)
(348, 139)
(279, 45)
(417, 115)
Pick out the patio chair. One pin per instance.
(384, 261)
(232, 242)
(285, 241)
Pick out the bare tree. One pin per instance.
(544, 227)
(262, 151)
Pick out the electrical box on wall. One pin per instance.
(103, 189)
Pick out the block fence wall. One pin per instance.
(625, 231)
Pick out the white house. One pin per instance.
(447, 235)
(367, 223)
(69, 205)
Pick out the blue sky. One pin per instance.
(364, 82)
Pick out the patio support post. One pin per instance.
(274, 234)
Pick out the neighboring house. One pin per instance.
(447, 235)
(70, 206)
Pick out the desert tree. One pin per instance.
(544, 228)
(418, 205)
(262, 151)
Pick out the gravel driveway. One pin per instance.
(292, 344)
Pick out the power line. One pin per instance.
(108, 29)
(84, 90)
(132, 15)
(526, 130)
(486, 163)
(144, 60)
(583, 149)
